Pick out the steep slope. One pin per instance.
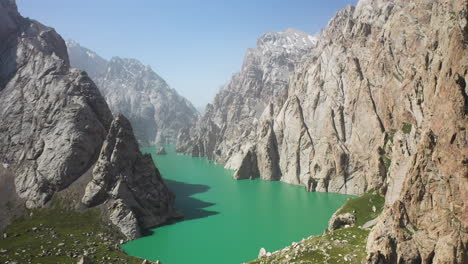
(54, 123)
(230, 122)
(156, 111)
(380, 103)
(384, 101)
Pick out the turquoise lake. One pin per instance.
(228, 221)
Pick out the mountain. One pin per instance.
(379, 102)
(59, 140)
(229, 123)
(156, 111)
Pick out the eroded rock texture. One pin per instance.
(54, 122)
(380, 102)
(156, 111)
(129, 182)
(229, 126)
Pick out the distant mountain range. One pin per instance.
(156, 111)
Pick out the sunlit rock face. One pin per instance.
(379, 101)
(156, 111)
(228, 129)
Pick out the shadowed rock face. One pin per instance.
(156, 111)
(54, 123)
(379, 103)
(130, 182)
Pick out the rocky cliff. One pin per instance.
(156, 111)
(229, 123)
(380, 102)
(56, 127)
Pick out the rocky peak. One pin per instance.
(289, 39)
(156, 111)
(133, 70)
(378, 103)
(94, 64)
(55, 125)
(129, 183)
(263, 79)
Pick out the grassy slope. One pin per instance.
(346, 245)
(362, 207)
(37, 238)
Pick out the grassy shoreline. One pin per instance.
(61, 235)
(344, 245)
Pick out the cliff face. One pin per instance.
(156, 111)
(54, 122)
(426, 218)
(379, 103)
(130, 183)
(229, 123)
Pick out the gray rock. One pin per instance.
(84, 260)
(156, 111)
(54, 120)
(341, 220)
(238, 128)
(56, 126)
(161, 151)
(262, 253)
(380, 102)
(130, 182)
(370, 223)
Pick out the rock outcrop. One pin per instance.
(341, 220)
(380, 102)
(161, 151)
(156, 111)
(129, 183)
(54, 124)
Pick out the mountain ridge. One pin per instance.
(377, 104)
(156, 111)
(57, 131)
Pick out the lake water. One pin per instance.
(228, 221)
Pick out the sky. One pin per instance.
(195, 45)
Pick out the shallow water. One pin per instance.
(228, 221)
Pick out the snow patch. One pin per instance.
(90, 54)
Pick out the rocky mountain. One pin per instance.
(59, 136)
(156, 111)
(379, 102)
(230, 122)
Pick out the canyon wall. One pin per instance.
(56, 127)
(378, 102)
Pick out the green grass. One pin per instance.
(330, 248)
(44, 230)
(387, 161)
(362, 206)
(407, 128)
(333, 247)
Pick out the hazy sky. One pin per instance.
(194, 45)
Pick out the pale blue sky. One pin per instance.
(194, 45)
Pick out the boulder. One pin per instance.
(341, 220)
(161, 151)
